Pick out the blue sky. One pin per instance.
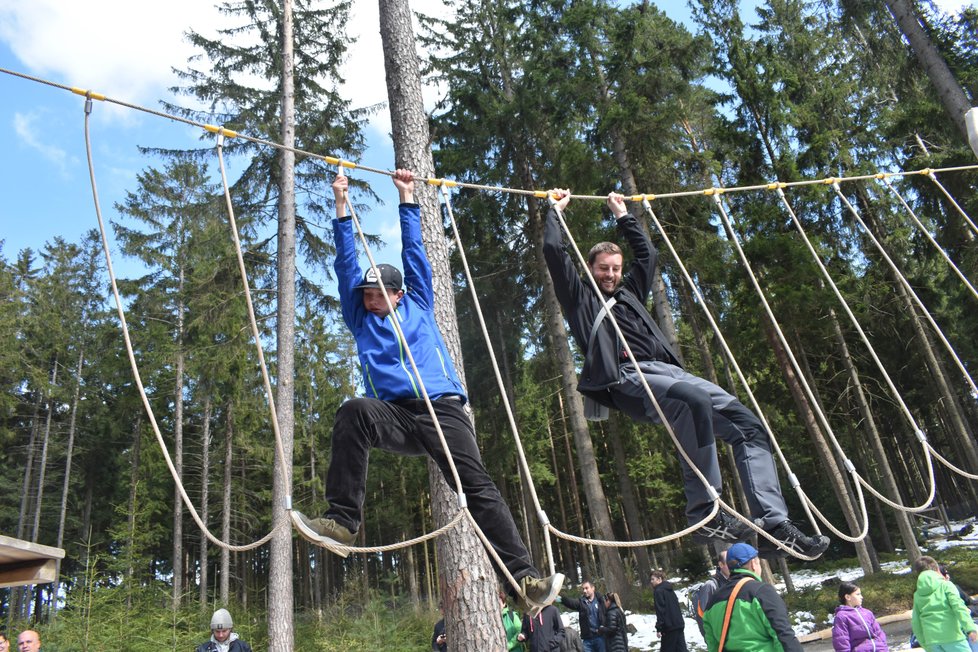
(126, 49)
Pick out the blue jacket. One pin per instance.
(387, 372)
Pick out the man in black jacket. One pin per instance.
(698, 410)
(590, 610)
(669, 623)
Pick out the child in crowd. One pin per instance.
(855, 628)
(940, 620)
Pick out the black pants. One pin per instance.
(673, 641)
(405, 427)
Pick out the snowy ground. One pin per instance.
(645, 638)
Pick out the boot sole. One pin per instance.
(536, 607)
(769, 551)
(302, 525)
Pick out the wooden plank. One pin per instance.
(41, 571)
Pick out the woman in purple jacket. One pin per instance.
(855, 628)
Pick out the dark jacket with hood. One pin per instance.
(582, 307)
(545, 633)
(668, 615)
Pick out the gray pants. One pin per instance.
(700, 412)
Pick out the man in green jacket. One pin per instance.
(758, 621)
(940, 620)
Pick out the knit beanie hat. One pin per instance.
(221, 620)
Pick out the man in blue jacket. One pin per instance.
(393, 415)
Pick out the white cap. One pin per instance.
(221, 620)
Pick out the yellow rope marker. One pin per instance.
(830, 181)
(435, 182)
(331, 160)
(649, 197)
(89, 94)
(776, 185)
(882, 175)
(541, 194)
(636, 198)
(709, 192)
(221, 131)
(927, 172)
(449, 184)
(347, 164)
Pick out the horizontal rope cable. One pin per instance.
(435, 181)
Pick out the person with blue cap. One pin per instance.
(746, 614)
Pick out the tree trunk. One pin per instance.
(567, 557)
(280, 600)
(830, 469)
(178, 451)
(466, 578)
(43, 463)
(69, 453)
(224, 588)
(25, 492)
(587, 566)
(205, 471)
(137, 442)
(873, 435)
(949, 91)
(633, 515)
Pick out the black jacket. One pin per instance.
(581, 306)
(580, 606)
(237, 645)
(545, 633)
(438, 631)
(668, 616)
(615, 630)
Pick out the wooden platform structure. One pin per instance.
(23, 562)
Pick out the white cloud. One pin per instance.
(126, 49)
(121, 48)
(953, 6)
(24, 127)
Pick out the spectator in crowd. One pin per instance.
(757, 621)
(543, 632)
(222, 638)
(854, 628)
(591, 616)
(709, 587)
(669, 623)
(940, 620)
(28, 641)
(615, 629)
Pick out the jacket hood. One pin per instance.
(929, 582)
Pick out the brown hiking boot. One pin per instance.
(328, 530)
